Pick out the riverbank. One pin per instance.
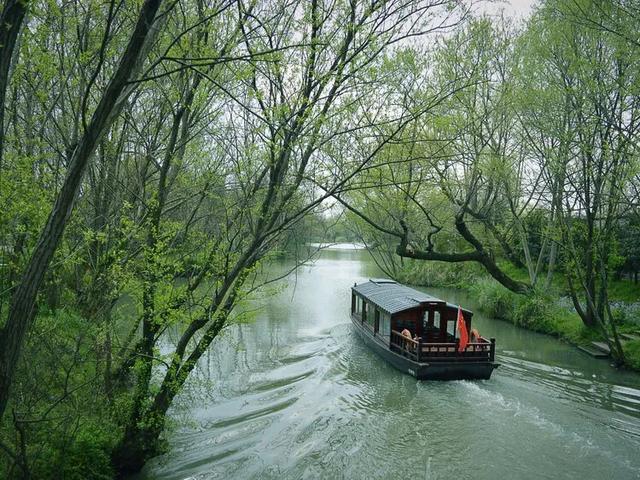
(549, 311)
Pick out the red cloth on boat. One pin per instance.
(462, 328)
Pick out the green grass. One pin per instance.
(538, 312)
(624, 291)
(632, 354)
(619, 290)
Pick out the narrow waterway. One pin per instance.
(295, 394)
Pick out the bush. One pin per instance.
(438, 274)
(86, 455)
(493, 298)
(538, 311)
(68, 424)
(632, 353)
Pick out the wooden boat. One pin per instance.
(381, 309)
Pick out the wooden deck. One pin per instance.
(594, 352)
(601, 349)
(436, 351)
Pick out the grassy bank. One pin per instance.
(543, 311)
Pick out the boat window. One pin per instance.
(436, 319)
(385, 325)
(451, 328)
(370, 316)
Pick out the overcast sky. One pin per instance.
(513, 8)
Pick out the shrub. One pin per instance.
(535, 311)
(493, 298)
(632, 353)
(83, 454)
(437, 274)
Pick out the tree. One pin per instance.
(21, 310)
(596, 76)
(11, 19)
(462, 163)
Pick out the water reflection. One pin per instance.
(296, 394)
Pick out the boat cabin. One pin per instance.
(383, 309)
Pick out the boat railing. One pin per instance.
(405, 345)
(481, 351)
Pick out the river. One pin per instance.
(295, 394)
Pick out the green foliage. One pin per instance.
(632, 353)
(68, 427)
(494, 299)
(437, 274)
(538, 311)
(173, 236)
(85, 455)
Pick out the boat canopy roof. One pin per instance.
(393, 297)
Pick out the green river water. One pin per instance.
(295, 394)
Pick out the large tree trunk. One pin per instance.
(21, 309)
(11, 20)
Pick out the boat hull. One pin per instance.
(440, 370)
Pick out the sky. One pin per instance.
(513, 8)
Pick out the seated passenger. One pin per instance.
(406, 333)
(475, 336)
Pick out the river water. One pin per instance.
(295, 394)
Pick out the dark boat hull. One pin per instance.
(441, 370)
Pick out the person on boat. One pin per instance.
(475, 336)
(406, 333)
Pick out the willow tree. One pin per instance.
(213, 137)
(546, 127)
(73, 93)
